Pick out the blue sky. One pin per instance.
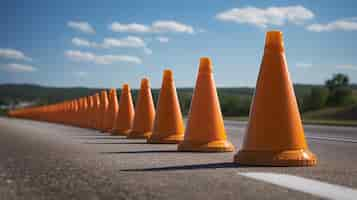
(107, 43)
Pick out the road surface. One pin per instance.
(50, 161)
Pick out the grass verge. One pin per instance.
(328, 122)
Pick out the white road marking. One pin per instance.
(333, 139)
(305, 185)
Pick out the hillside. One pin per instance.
(29, 92)
(342, 113)
(234, 101)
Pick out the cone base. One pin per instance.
(302, 157)
(138, 135)
(107, 131)
(103, 130)
(172, 139)
(215, 146)
(121, 132)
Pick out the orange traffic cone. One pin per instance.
(275, 135)
(84, 116)
(74, 112)
(125, 118)
(104, 103)
(144, 113)
(205, 127)
(113, 109)
(79, 112)
(168, 125)
(97, 112)
(91, 112)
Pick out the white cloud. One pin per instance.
(347, 66)
(130, 41)
(159, 26)
(82, 26)
(343, 25)
(83, 42)
(268, 16)
(14, 67)
(147, 51)
(304, 65)
(134, 27)
(163, 39)
(103, 59)
(13, 54)
(171, 26)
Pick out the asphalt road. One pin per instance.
(50, 161)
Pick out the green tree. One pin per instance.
(340, 90)
(232, 105)
(338, 80)
(2, 102)
(317, 99)
(341, 96)
(185, 102)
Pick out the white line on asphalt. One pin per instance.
(305, 185)
(333, 139)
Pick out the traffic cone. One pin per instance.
(274, 135)
(84, 116)
(125, 118)
(91, 112)
(80, 112)
(205, 127)
(168, 124)
(97, 112)
(73, 114)
(113, 109)
(11, 113)
(144, 113)
(104, 103)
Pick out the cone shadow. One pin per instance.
(188, 167)
(114, 143)
(140, 152)
(99, 137)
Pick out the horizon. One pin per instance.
(63, 44)
(153, 88)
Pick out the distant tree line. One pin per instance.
(337, 91)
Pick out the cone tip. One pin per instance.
(113, 92)
(104, 94)
(168, 74)
(126, 87)
(274, 38)
(145, 83)
(205, 65)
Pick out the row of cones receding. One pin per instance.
(274, 135)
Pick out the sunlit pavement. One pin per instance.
(50, 161)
